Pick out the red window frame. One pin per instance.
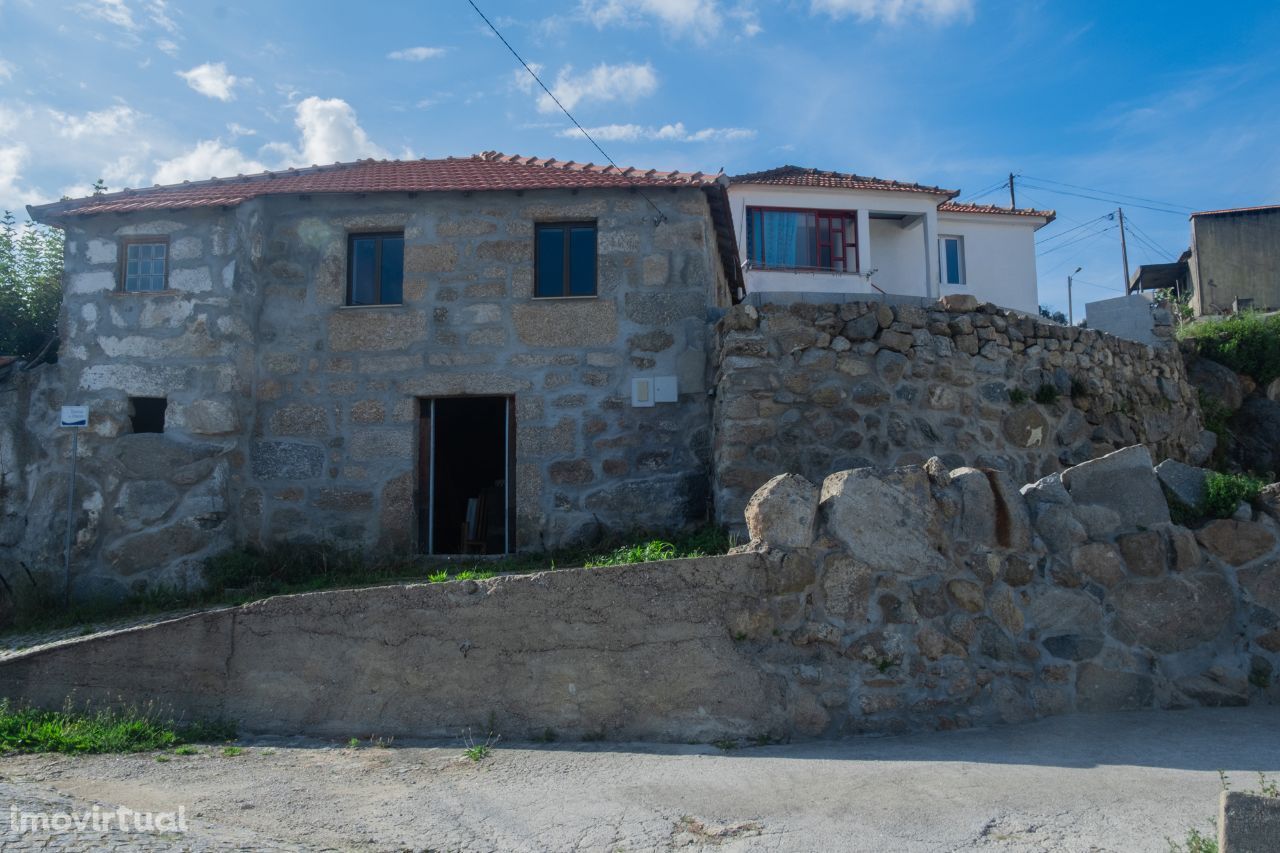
(848, 254)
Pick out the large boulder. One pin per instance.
(887, 519)
(1101, 689)
(1256, 430)
(782, 512)
(1236, 542)
(1122, 482)
(1173, 613)
(1182, 483)
(1216, 382)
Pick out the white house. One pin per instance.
(805, 230)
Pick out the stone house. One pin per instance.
(480, 354)
(812, 231)
(1235, 259)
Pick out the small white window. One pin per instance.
(951, 260)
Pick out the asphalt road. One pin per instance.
(1122, 782)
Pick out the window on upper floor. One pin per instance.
(951, 260)
(375, 269)
(564, 259)
(784, 238)
(146, 265)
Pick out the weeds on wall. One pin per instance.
(1223, 493)
(246, 574)
(1248, 342)
(1046, 394)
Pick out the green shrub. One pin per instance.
(1248, 343)
(1017, 396)
(1224, 492)
(1046, 394)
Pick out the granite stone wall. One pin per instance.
(811, 387)
(294, 418)
(882, 601)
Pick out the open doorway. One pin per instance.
(466, 466)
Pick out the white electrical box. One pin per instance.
(642, 393)
(665, 390)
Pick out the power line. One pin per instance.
(985, 192)
(1077, 240)
(1148, 237)
(1076, 228)
(661, 216)
(1110, 200)
(1110, 192)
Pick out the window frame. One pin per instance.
(567, 225)
(125, 243)
(378, 237)
(960, 259)
(849, 255)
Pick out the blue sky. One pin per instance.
(1178, 103)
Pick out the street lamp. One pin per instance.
(1071, 314)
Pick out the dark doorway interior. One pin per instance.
(468, 445)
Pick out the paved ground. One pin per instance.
(1117, 782)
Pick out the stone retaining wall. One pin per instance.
(886, 600)
(812, 388)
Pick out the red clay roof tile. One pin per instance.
(968, 207)
(477, 173)
(799, 176)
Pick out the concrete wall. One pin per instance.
(1134, 318)
(1235, 255)
(920, 598)
(999, 258)
(293, 417)
(813, 387)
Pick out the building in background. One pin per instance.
(1235, 259)
(805, 230)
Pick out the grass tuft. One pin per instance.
(104, 730)
(1223, 493)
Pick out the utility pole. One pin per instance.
(1013, 199)
(1124, 251)
(1071, 307)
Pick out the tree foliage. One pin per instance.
(1055, 316)
(30, 287)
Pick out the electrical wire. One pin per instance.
(1108, 199)
(1081, 239)
(985, 192)
(661, 216)
(1109, 192)
(1076, 228)
(1138, 230)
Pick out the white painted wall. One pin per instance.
(999, 257)
(1000, 263)
(742, 196)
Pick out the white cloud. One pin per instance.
(115, 120)
(209, 158)
(237, 129)
(416, 54)
(167, 46)
(115, 12)
(6, 70)
(700, 19)
(212, 80)
(13, 195)
(666, 133)
(601, 84)
(158, 12)
(896, 11)
(329, 134)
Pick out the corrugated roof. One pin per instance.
(477, 173)
(799, 176)
(967, 207)
(1229, 210)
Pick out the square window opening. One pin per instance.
(797, 239)
(146, 265)
(146, 414)
(564, 259)
(375, 269)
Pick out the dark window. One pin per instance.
(146, 265)
(147, 413)
(565, 259)
(951, 260)
(802, 239)
(375, 269)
